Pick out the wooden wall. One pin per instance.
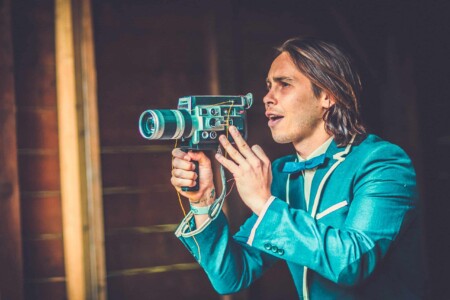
(34, 49)
(147, 57)
(11, 261)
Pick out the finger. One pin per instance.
(228, 164)
(200, 157)
(178, 183)
(259, 152)
(179, 163)
(242, 145)
(182, 174)
(178, 153)
(232, 152)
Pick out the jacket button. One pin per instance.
(268, 246)
(274, 249)
(280, 251)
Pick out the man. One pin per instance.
(341, 211)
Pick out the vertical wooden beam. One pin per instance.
(90, 146)
(70, 160)
(11, 275)
(79, 148)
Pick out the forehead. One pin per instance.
(284, 67)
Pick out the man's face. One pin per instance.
(295, 114)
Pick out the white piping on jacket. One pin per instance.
(340, 157)
(331, 209)
(287, 189)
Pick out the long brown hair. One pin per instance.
(330, 70)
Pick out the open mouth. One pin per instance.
(274, 119)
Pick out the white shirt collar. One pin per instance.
(319, 151)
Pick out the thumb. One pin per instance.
(200, 157)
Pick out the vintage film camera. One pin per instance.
(198, 121)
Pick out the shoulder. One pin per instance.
(375, 158)
(372, 147)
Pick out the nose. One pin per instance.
(269, 99)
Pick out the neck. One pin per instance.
(307, 146)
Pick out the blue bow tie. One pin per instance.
(297, 166)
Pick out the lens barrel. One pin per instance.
(165, 124)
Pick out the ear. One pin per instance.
(326, 99)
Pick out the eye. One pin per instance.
(284, 84)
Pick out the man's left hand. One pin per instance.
(251, 169)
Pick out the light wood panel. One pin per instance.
(79, 151)
(69, 154)
(90, 148)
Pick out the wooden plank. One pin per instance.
(136, 250)
(11, 276)
(142, 169)
(90, 143)
(33, 32)
(42, 216)
(69, 150)
(135, 210)
(189, 284)
(79, 152)
(45, 290)
(39, 172)
(155, 269)
(34, 50)
(43, 258)
(38, 128)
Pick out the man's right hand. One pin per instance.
(183, 174)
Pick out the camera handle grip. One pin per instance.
(196, 187)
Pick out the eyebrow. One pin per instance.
(280, 78)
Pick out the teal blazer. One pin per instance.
(358, 239)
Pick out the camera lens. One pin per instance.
(248, 100)
(165, 124)
(149, 125)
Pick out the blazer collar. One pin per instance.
(333, 154)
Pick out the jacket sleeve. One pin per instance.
(229, 262)
(382, 206)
